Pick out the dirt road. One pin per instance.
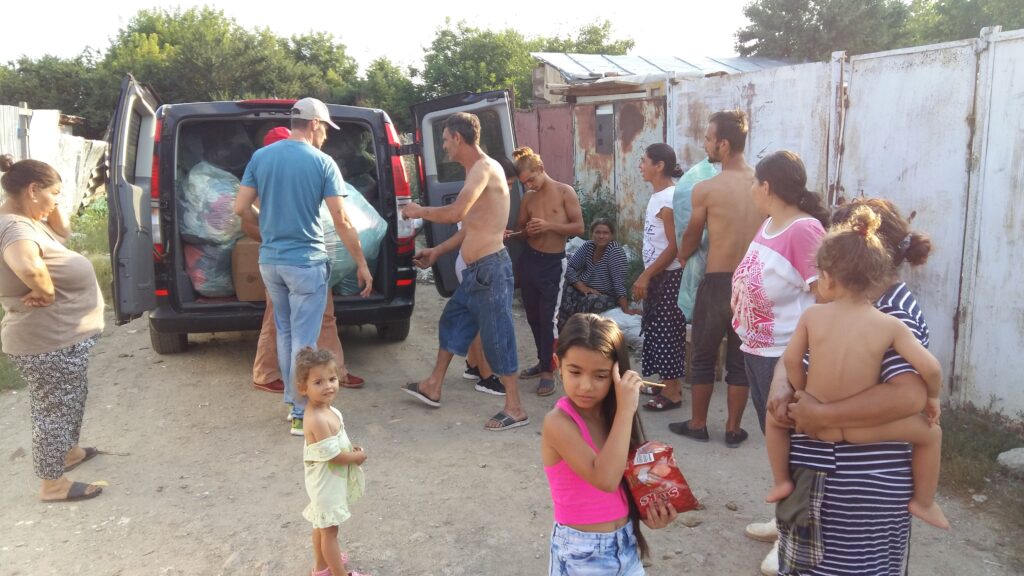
(208, 481)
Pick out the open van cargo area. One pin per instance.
(210, 157)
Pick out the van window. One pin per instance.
(492, 141)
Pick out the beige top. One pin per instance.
(77, 311)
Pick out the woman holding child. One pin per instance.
(876, 476)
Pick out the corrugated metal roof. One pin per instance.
(589, 67)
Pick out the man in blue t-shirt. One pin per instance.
(291, 179)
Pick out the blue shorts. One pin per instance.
(575, 553)
(483, 303)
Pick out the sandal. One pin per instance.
(352, 381)
(90, 453)
(506, 422)
(661, 403)
(648, 390)
(531, 372)
(78, 492)
(413, 389)
(545, 387)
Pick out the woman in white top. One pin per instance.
(663, 325)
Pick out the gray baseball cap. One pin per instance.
(313, 109)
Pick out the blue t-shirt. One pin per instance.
(292, 179)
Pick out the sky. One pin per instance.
(370, 30)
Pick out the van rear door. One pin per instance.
(133, 200)
(441, 179)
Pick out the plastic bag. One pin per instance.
(629, 324)
(653, 476)
(209, 268)
(371, 228)
(682, 207)
(206, 210)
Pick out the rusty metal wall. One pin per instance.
(549, 132)
(788, 108)
(992, 303)
(525, 124)
(595, 173)
(554, 128)
(638, 124)
(907, 137)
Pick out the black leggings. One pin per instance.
(540, 280)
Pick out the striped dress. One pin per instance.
(864, 516)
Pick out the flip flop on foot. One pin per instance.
(413, 389)
(506, 422)
(79, 491)
(532, 372)
(546, 387)
(660, 403)
(352, 381)
(90, 453)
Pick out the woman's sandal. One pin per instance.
(90, 453)
(660, 403)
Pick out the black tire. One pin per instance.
(167, 342)
(396, 331)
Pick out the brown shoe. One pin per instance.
(277, 386)
(353, 381)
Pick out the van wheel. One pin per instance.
(394, 331)
(167, 342)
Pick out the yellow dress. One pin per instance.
(331, 487)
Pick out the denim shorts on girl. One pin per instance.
(575, 553)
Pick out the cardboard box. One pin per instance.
(245, 271)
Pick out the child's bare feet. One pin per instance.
(780, 491)
(930, 514)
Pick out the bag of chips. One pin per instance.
(652, 475)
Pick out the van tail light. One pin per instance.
(403, 194)
(154, 195)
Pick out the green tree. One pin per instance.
(464, 58)
(50, 82)
(593, 38)
(933, 21)
(813, 29)
(385, 86)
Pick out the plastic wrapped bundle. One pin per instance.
(206, 209)
(371, 228)
(209, 268)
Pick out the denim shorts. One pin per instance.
(483, 303)
(575, 553)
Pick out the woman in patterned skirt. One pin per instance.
(663, 325)
(595, 278)
(53, 314)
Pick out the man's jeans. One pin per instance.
(299, 295)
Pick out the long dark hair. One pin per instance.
(664, 153)
(602, 335)
(787, 178)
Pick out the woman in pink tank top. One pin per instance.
(585, 443)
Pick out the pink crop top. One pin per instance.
(575, 500)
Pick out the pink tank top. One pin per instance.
(575, 500)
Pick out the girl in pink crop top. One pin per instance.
(585, 443)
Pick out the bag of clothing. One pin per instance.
(371, 228)
(206, 210)
(209, 268)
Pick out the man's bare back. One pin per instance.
(488, 216)
(732, 217)
(551, 204)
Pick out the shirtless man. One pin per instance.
(550, 212)
(483, 301)
(723, 203)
